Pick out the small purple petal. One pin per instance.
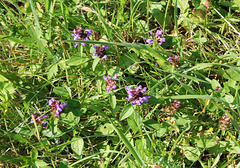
(44, 122)
(106, 47)
(104, 57)
(105, 78)
(133, 103)
(95, 55)
(114, 86)
(169, 59)
(86, 39)
(59, 108)
(144, 90)
(64, 104)
(77, 44)
(159, 33)
(57, 113)
(115, 77)
(89, 32)
(49, 103)
(149, 41)
(45, 116)
(149, 32)
(108, 88)
(95, 47)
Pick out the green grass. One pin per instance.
(180, 125)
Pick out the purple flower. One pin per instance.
(135, 95)
(80, 34)
(159, 33)
(56, 106)
(100, 52)
(173, 59)
(218, 88)
(224, 122)
(149, 41)
(39, 119)
(111, 83)
(161, 40)
(155, 36)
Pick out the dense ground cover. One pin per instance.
(120, 83)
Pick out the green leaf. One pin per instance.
(77, 146)
(229, 98)
(105, 129)
(52, 70)
(182, 4)
(42, 164)
(63, 164)
(191, 153)
(126, 112)
(206, 143)
(74, 61)
(95, 62)
(134, 122)
(206, 97)
(60, 91)
(70, 118)
(15, 136)
(215, 84)
(113, 101)
(34, 154)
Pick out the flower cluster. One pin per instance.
(56, 106)
(111, 83)
(39, 119)
(156, 36)
(173, 59)
(100, 52)
(135, 95)
(218, 88)
(224, 122)
(81, 34)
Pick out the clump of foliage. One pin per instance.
(120, 83)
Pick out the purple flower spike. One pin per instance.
(50, 102)
(100, 52)
(135, 95)
(80, 34)
(56, 106)
(149, 41)
(155, 37)
(173, 59)
(111, 83)
(39, 119)
(159, 33)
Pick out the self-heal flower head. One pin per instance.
(224, 122)
(173, 59)
(155, 36)
(56, 106)
(39, 119)
(135, 95)
(100, 52)
(111, 83)
(149, 41)
(80, 34)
